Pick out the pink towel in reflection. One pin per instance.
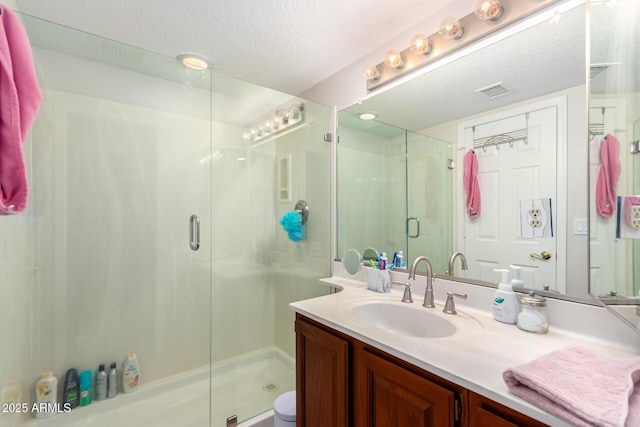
(607, 184)
(20, 98)
(581, 387)
(471, 186)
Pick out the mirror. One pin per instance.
(614, 124)
(519, 104)
(352, 261)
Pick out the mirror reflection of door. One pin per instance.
(509, 173)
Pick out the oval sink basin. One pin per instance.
(404, 320)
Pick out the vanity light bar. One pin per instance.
(474, 29)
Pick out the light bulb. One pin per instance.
(451, 28)
(420, 45)
(370, 72)
(489, 10)
(193, 61)
(393, 59)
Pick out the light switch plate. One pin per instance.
(580, 226)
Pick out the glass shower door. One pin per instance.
(121, 154)
(257, 270)
(429, 198)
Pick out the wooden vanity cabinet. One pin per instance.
(386, 394)
(322, 376)
(341, 381)
(484, 412)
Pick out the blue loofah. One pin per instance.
(291, 221)
(297, 234)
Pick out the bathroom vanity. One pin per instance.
(357, 366)
(342, 381)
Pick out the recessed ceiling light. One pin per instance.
(193, 61)
(367, 116)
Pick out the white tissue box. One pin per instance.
(378, 280)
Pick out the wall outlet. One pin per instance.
(634, 217)
(536, 218)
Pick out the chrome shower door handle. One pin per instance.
(194, 232)
(413, 236)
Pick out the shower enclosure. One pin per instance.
(404, 202)
(153, 227)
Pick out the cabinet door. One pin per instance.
(321, 377)
(484, 412)
(387, 395)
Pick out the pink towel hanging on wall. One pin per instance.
(20, 98)
(471, 186)
(607, 184)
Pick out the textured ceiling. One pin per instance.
(284, 45)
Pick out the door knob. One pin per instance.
(544, 255)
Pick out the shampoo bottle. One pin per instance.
(46, 394)
(85, 388)
(101, 383)
(130, 373)
(505, 301)
(516, 281)
(71, 392)
(112, 382)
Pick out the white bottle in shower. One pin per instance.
(130, 373)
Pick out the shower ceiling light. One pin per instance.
(489, 10)
(193, 61)
(367, 116)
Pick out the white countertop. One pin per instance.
(474, 357)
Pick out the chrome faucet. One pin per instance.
(428, 293)
(463, 260)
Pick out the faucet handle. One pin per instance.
(406, 297)
(449, 306)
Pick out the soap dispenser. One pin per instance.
(516, 281)
(505, 301)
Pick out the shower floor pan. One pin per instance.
(245, 386)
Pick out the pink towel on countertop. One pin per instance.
(471, 186)
(20, 98)
(581, 387)
(607, 184)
